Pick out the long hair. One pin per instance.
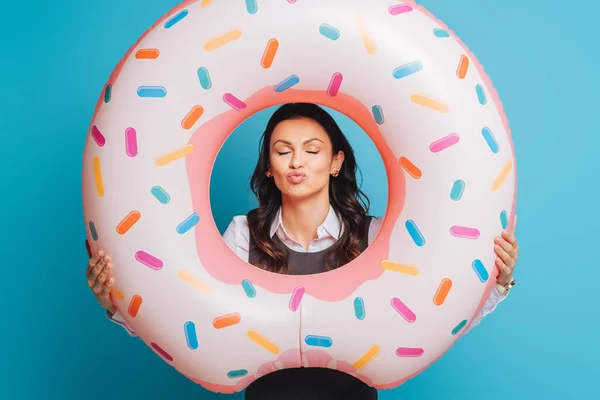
(347, 200)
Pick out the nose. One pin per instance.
(296, 161)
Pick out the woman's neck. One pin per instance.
(301, 218)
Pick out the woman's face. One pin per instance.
(301, 157)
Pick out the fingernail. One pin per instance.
(497, 239)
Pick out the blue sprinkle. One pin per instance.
(329, 31)
(287, 83)
(490, 139)
(318, 341)
(504, 219)
(93, 231)
(204, 78)
(151, 91)
(457, 190)
(190, 335)
(176, 18)
(480, 270)
(441, 33)
(408, 69)
(359, 308)
(459, 327)
(414, 233)
(249, 288)
(378, 114)
(161, 194)
(107, 93)
(481, 95)
(188, 224)
(251, 6)
(237, 373)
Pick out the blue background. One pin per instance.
(56, 343)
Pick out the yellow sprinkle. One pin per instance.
(500, 180)
(205, 3)
(365, 34)
(195, 282)
(263, 342)
(115, 293)
(429, 103)
(222, 40)
(98, 176)
(369, 356)
(401, 268)
(174, 156)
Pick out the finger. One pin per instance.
(504, 256)
(507, 247)
(505, 270)
(103, 275)
(106, 288)
(96, 270)
(93, 261)
(510, 238)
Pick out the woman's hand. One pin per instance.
(97, 272)
(507, 249)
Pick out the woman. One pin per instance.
(312, 217)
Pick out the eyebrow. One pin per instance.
(305, 142)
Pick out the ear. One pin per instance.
(338, 160)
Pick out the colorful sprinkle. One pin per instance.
(238, 373)
(205, 3)
(318, 341)
(442, 292)
(287, 83)
(399, 9)
(160, 194)
(441, 33)
(174, 156)
(134, 305)
(403, 310)
(191, 337)
(176, 18)
(98, 137)
(204, 78)
(459, 327)
(131, 147)
(399, 268)
(481, 95)
(408, 69)
(291, 1)
(296, 299)
(410, 168)
(365, 35)
(98, 177)
(248, 288)
(430, 103)
(444, 143)
(504, 219)
(457, 190)
(227, 320)
(192, 117)
(502, 177)
(463, 67)
(147, 54)
(149, 260)
(329, 31)
(359, 308)
(195, 282)
(160, 351)
(93, 231)
(234, 102)
(464, 232)
(409, 352)
(126, 223)
(188, 223)
(369, 356)
(251, 6)
(151, 91)
(263, 342)
(480, 270)
(334, 84)
(118, 294)
(107, 93)
(378, 114)
(269, 53)
(222, 40)
(414, 233)
(490, 139)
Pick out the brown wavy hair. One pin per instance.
(346, 198)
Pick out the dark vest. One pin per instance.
(309, 383)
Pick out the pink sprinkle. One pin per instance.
(161, 351)
(291, 1)
(98, 137)
(444, 143)
(334, 84)
(131, 142)
(296, 298)
(234, 102)
(399, 9)
(464, 232)
(403, 310)
(148, 260)
(409, 352)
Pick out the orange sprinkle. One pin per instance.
(226, 320)
(128, 222)
(134, 305)
(205, 3)
(174, 156)
(430, 103)
(365, 35)
(369, 356)
(119, 295)
(463, 66)
(192, 117)
(147, 54)
(222, 39)
(263, 342)
(400, 268)
(98, 176)
(410, 168)
(502, 177)
(442, 292)
(269, 54)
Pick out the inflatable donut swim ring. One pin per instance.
(203, 69)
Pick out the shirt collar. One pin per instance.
(330, 227)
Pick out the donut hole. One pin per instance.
(230, 193)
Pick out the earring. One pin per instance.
(335, 173)
(268, 174)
